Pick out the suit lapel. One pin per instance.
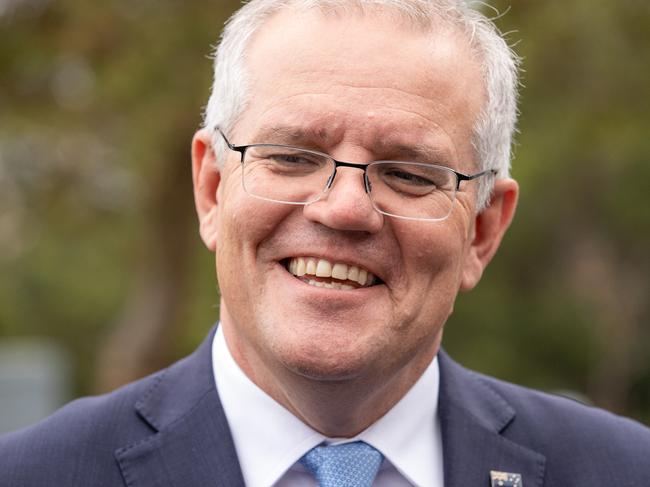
(191, 444)
(473, 417)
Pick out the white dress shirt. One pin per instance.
(270, 440)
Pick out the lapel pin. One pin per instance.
(505, 479)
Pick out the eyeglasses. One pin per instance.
(295, 176)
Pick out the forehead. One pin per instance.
(363, 77)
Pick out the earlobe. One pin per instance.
(206, 177)
(490, 226)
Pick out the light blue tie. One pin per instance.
(348, 465)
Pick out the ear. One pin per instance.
(490, 226)
(206, 177)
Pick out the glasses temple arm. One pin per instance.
(465, 177)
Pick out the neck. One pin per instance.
(346, 408)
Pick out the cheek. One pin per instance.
(438, 271)
(432, 262)
(245, 221)
(433, 252)
(246, 226)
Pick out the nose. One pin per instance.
(346, 205)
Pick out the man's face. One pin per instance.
(360, 89)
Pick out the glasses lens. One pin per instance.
(285, 174)
(412, 190)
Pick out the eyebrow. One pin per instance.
(292, 135)
(319, 138)
(420, 153)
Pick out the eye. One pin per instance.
(400, 176)
(412, 180)
(294, 159)
(284, 161)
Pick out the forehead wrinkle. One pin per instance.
(418, 153)
(386, 142)
(310, 133)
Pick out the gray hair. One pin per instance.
(495, 126)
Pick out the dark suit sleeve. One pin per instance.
(75, 447)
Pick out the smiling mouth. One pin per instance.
(331, 275)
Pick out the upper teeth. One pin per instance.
(299, 266)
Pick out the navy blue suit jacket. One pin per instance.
(169, 429)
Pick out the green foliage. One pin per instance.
(564, 305)
(95, 96)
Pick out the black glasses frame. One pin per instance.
(460, 177)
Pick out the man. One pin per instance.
(351, 178)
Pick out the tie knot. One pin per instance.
(348, 465)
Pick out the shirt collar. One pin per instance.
(409, 434)
(269, 439)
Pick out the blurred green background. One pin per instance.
(99, 247)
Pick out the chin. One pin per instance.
(327, 371)
(333, 362)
